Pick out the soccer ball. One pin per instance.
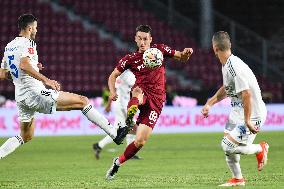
(153, 58)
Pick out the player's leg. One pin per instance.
(142, 135)
(238, 141)
(27, 133)
(229, 146)
(260, 150)
(27, 125)
(119, 112)
(148, 116)
(245, 140)
(70, 101)
(132, 108)
(27, 130)
(147, 119)
(249, 148)
(98, 147)
(130, 137)
(233, 162)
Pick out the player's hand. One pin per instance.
(252, 127)
(205, 110)
(113, 96)
(186, 53)
(52, 84)
(40, 66)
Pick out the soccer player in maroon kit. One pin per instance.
(148, 92)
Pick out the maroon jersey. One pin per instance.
(151, 81)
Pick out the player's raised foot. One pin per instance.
(130, 114)
(234, 182)
(121, 134)
(262, 156)
(97, 150)
(135, 157)
(113, 170)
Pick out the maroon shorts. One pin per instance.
(150, 111)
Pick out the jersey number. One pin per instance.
(153, 116)
(14, 69)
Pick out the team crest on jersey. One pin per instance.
(31, 50)
(167, 49)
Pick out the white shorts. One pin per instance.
(42, 101)
(238, 130)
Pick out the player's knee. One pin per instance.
(27, 137)
(228, 146)
(139, 143)
(233, 158)
(84, 101)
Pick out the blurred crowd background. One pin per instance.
(80, 42)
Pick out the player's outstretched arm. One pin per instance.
(27, 67)
(218, 96)
(184, 55)
(111, 83)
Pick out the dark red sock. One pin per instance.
(129, 152)
(133, 101)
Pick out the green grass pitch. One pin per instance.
(169, 161)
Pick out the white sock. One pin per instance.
(105, 141)
(130, 138)
(97, 118)
(10, 145)
(249, 149)
(233, 162)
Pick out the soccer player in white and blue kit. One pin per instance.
(248, 112)
(123, 87)
(36, 93)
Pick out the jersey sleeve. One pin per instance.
(241, 81)
(166, 50)
(123, 64)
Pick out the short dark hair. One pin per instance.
(24, 20)
(144, 28)
(222, 40)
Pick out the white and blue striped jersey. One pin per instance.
(237, 77)
(15, 50)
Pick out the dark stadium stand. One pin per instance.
(82, 61)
